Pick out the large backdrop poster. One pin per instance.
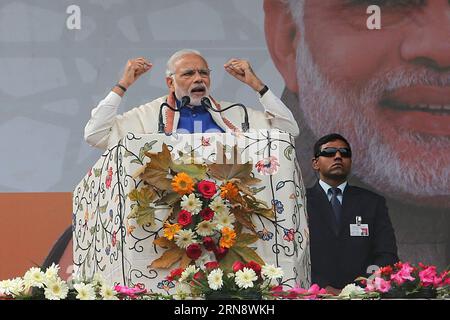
(387, 90)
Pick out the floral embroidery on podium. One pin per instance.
(210, 205)
(268, 166)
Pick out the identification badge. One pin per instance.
(359, 229)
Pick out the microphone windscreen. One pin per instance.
(206, 102)
(185, 101)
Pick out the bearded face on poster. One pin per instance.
(387, 90)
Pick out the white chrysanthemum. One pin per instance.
(223, 220)
(34, 278)
(215, 281)
(14, 287)
(56, 289)
(271, 272)
(51, 273)
(190, 270)
(245, 277)
(351, 290)
(205, 228)
(218, 206)
(183, 238)
(182, 291)
(85, 291)
(108, 293)
(191, 204)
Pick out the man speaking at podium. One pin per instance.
(189, 107)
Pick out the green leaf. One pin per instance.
(288, 152)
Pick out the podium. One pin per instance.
(106, 242)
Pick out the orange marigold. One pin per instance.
(171, 229)
(228, 238)
(182, 183)
(229, 191)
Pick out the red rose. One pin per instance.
(238, 265)
(220, 253)
(255, 266)
(209, 243)
(194, 251)
(207, 188)
(212, 265)
(175, 274)
(184, 218)
(206, 214)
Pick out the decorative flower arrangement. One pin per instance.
(247, 281)
(39, 284)
(209, 207)
(402, 280)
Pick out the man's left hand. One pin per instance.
(241, 70)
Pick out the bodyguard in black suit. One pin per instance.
(350, 229)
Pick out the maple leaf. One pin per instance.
(143, 215)
(163, 242)
(157, 170)
(143, 196)
(168, 258)
(225, 171)
(185, 261)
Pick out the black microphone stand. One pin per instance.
(245, 125)
(184, 101)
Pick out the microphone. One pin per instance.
(184, 101)
(245, 125)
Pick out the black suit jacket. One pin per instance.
(337, 258)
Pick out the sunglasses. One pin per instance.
(331, 152)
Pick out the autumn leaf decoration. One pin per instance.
(209, 207)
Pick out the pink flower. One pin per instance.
(277, 291)
(238, 265)
(296, 292)
(403, 274)
(268, 166)
(130, 292)
(382, 285)
(428, 276)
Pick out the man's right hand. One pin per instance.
(133, 70)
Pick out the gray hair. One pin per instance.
(177, 56)
(297, 9)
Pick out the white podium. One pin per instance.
(106, 241)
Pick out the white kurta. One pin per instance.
(106, 127)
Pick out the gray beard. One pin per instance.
(332, 107)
